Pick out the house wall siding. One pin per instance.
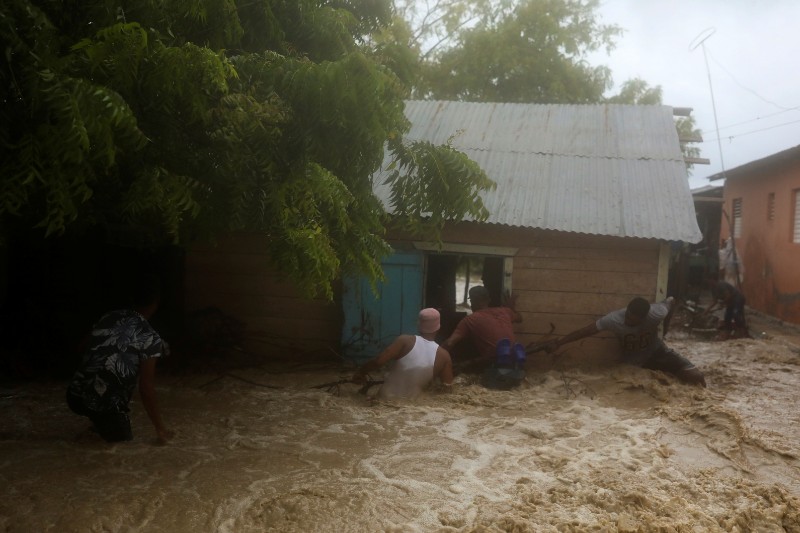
(564, 279)
(771, 260)
(568, 280)
(236, 276)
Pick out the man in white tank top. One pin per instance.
(417, 360)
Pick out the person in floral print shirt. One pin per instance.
(122, 352)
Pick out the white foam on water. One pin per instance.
(620, 449)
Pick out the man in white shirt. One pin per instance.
(418, 359)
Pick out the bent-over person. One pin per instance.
(733, 325)
(636, 328)
(122, 353)
(482, 331)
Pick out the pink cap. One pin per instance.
(428, 320)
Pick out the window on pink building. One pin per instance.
(771, 206)
(737, 218)
(796, 235)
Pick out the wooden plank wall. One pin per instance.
(564, 279)
(236, 277)
(570, 280)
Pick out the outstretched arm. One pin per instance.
(578, 334)
(452, 340)
(400, 347)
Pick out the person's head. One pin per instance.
(428, 322)
(478, 297)
(637, 311)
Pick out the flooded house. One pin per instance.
(588, 200)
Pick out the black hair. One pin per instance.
(479, 292)
(638, 307)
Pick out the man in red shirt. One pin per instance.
(483, 329)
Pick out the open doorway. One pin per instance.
(448, 278)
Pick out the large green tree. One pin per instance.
(533, 51)
(526, 51)
(176, 120)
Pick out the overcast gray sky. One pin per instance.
(753, 60)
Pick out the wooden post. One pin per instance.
(663, 272)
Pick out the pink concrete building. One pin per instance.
(761, 210)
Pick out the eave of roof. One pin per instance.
(759, 165)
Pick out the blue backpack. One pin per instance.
(508, 370)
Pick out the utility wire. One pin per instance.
(748, 89)
(755, 119)
(731, 137)
(783, 109)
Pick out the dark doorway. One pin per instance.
(448, 279)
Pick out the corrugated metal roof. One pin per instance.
(598, 169)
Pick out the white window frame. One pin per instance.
(736, 214)
(507, 252)
(771, 206)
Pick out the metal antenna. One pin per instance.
(700, 41)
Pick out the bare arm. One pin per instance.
(578, 334)
(400, 347)
(452, 340)
(443, 367)
(147, 390)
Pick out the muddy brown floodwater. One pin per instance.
(618, 449)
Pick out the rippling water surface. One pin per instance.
(618, 449)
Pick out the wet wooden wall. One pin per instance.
(235, 276)
(561, 279)
(568, 280)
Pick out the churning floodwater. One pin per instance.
(616, 449)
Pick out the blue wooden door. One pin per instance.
(371, 322)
